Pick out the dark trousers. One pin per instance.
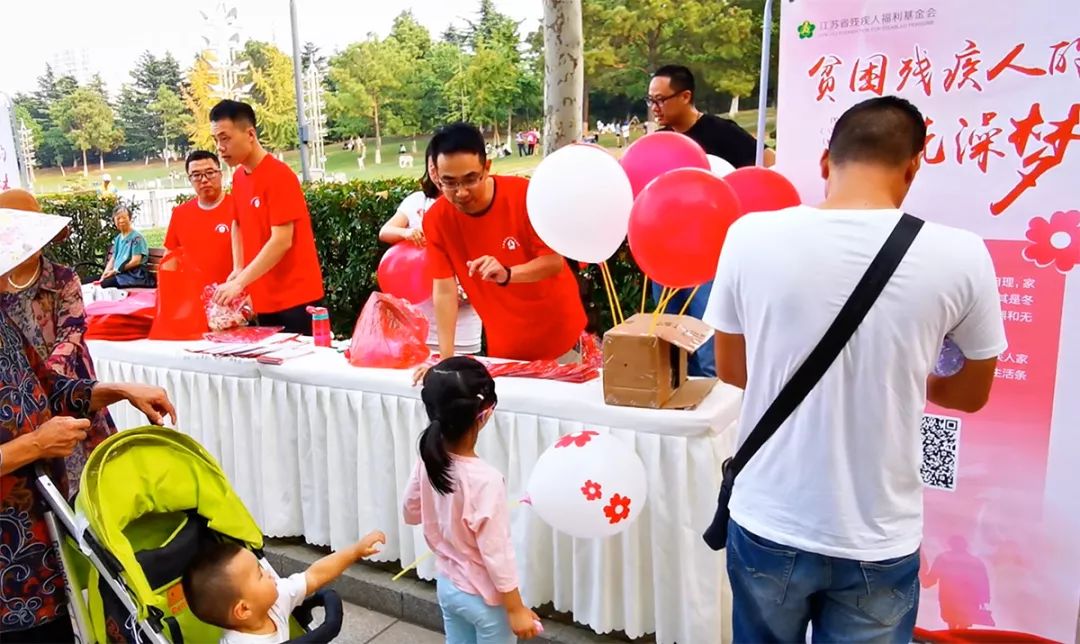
(55, 632)
(294, 320)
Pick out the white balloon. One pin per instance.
(579, 202)
(588, 485)
(719, 166)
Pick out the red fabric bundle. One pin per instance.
(126, 319)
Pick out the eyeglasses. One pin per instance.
(209, 175)
(658, 101)
(468, 183)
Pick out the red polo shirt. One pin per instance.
(271, 196)
(538, 321)
(205, 236)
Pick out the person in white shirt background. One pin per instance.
(826, 519)
(407, 225)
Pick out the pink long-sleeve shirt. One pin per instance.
(469, 529)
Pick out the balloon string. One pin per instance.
(690, 299)
(616, 305)
(610, 299)
(670, 295)
(644, 291)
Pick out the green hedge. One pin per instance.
(346, 218)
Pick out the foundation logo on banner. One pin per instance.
(806, 30)
(882, 22)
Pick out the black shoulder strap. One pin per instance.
(825, 353)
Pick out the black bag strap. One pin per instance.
(832, 343)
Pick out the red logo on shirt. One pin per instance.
(511, 244)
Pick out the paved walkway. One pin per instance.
(362, 626)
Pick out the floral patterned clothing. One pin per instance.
(31, 579)
(51, 316)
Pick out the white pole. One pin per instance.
(305, 162)
(763, 93)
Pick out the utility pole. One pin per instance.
(305, 161)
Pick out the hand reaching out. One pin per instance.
(368, 547)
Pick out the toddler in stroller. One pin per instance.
(151, 502)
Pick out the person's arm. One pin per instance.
(444, 296)
(108, 266)
(281, 240)
(237, 249)
(731, 359)
(152, 401)
(535, 270)
(330, 567)
(968, 390)
(410, 509)
(140, 249)
(396, 229)
(55, 438)
(70, 327)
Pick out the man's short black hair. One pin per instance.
(235, 111)
(200, 155)
(209, 592)
(681, 78)
(457, 138)
(888, 130)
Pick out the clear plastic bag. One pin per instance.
(222, 317)
(390, 333)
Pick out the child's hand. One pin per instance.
(524, 623)
(366, 547)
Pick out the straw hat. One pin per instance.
(22, 236)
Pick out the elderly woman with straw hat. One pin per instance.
(44, 418)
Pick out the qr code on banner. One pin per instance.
(940, 442)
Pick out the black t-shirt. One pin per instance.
(724, 138)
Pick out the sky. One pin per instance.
(112, 33)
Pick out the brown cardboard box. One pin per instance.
(643, 369)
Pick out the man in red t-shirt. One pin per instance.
(202, 227)
(479, 232)
(274, 255)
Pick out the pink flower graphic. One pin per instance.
(617, 509)
(592, 491)
(579, 439)
(1055, 242)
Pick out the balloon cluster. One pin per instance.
(673, 203)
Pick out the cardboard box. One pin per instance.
(648, 369)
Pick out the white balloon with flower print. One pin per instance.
(588, 485)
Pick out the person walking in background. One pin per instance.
(532, 139)
(671, 100)
(274, 256)
(521, 146)
(126, 267)
(202, 227)
(827, 517)
(963, 586)
(407, 225)
(461, 503)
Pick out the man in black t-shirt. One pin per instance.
(671, 100)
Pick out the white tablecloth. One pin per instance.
(318, 448)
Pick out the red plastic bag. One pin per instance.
(180, 314)
(390, 334)
(222, 317)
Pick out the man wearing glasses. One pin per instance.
(671, 101)
(202, 227)
(479, 232)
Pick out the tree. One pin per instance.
(169, 113)
(87, 120)
(309, 55)
(492, 29)
(491, 83)
(142, 129)
(50, 143)
(564, 73)
(368, 77)
(274, 95)
(198, 96)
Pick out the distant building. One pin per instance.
(72, 62)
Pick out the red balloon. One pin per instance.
(762, 190)
(678, 225)
(660, 152)
(403, 272)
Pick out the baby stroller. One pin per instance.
(149, 499)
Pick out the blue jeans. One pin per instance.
(468, 620)
(779, 590)
(703, 362)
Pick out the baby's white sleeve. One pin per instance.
(292, 591)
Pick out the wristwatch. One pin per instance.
(505, 281)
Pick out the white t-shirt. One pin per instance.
(291, 593)
(469, 328)
(841, 477)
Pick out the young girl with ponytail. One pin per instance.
(461, 502)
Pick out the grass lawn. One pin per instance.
(338, 160)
